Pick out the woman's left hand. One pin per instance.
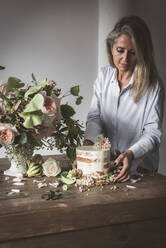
(126, 158)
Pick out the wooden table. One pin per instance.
(100, 218)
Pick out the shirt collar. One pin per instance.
(114, 78)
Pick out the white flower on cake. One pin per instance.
(102, 143)
(51, 168)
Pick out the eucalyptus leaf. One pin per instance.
(14, 83)
(79, 100)
(35, 104)
(35, 89)
(67, 111)
(75, 90)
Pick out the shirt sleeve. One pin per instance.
(152, 129)
(94, 125)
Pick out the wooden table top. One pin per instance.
(26, 214)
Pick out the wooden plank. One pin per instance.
(64, 216)
(150, 233)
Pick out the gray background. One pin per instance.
(65, 41)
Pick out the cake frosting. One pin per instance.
(90, 159)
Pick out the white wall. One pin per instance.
(153, 12)
(57, 39)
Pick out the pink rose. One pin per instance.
(6, 137)
(49, 106)
(7, 134)
(50, 121)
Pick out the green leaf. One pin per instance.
(13, 83)
(67, 111)
(75, 90)
(35, 104)
(79, 100)
(28, 122)
(3, 97)
(65, 179)
(16, 93)
(35, 88)
(32, 120)
(37, 119)
(33, 77)
(23, 138)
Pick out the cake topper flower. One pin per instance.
(102, 143)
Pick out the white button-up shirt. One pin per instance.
(129, 125)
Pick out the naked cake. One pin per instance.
(96, 158)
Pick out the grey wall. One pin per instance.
(57, 39)
(153, 12)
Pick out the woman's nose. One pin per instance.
(126, 57)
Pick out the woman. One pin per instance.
(127, 105)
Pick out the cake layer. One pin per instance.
(90, 160)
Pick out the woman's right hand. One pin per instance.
(74, 165)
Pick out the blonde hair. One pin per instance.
(145, 72)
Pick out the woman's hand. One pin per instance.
(74, 164)
(126, 158)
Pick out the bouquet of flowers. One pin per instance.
(33, 117)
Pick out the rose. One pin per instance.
(51, 168)
(50, 121)
(49, 106)
(7, 134)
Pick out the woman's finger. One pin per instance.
(74, 165)
(126, 179)
(121, 177)
(123, 170)
(120, 158)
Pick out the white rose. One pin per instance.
(51, 168)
